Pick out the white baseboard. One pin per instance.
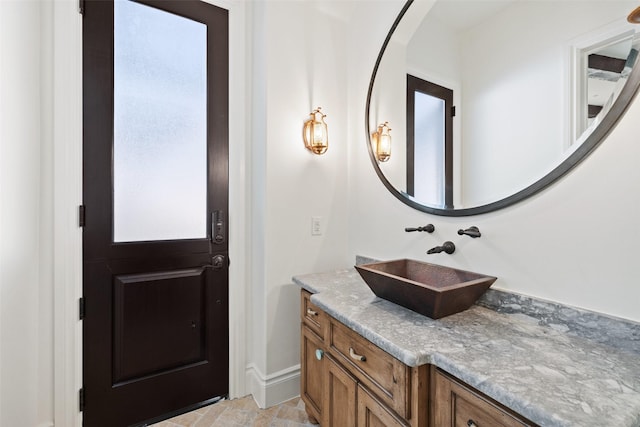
(270, 390)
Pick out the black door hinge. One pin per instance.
(81, 308)
(81, 216)
(81, 399)
(453, 111)
(81, 7)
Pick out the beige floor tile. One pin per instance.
(246, 403)
(186, 420)
(166, 423)
(261, 421)
(292, 413)
(211, 415)
(239, 418)
(243, 412)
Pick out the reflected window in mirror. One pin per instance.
(602, 65)
(430, 113)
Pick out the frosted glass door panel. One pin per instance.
(160, 125)
(429, 148)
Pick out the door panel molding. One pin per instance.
(171, 323)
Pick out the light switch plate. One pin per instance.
(316, 226)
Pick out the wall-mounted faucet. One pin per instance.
(447, 247)
(471, 232)
(428, 228)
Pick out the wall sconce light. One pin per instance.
(634, 16)
(382, 142)
(315, 133)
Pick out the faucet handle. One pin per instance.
(472, 231)
(429, 228)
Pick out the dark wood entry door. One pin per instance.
(155, 237)
(428, 149)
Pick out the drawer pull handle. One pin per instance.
(471, 423)
(311, 312)
(319, 354)
(356, 356)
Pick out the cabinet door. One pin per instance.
(311, 381)
(340, 388)
(372, 413)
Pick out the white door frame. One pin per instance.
(67, 183)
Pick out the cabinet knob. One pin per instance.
(311, 312)
(471, 423)
(319, 354)
(356, 356)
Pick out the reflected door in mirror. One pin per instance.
(430, 115)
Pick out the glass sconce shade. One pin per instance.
(315, 133)
(383, 142)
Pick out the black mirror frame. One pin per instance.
(598, 135)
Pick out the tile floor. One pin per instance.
(241, 413)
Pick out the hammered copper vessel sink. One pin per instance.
(429, 289)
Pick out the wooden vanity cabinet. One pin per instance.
(347, 381)
(455, 404)
(359, 383)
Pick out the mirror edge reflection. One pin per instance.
(598, 135)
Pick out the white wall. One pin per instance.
(574, 243)
(26, 309)
(298, 64)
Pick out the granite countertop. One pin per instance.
(555, 365)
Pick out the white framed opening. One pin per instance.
(593, 90)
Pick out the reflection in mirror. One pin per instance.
(489, 96)
(607, 70)
(429, 141)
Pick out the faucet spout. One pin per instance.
(447, 247)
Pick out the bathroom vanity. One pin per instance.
(344, 374)
(345, 378)
(507, 361)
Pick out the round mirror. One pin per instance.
(474, 105)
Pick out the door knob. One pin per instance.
(218, 262)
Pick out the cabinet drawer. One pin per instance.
(385, 375)
(312, 316)
(457, 405)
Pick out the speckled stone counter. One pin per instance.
(555, 365)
